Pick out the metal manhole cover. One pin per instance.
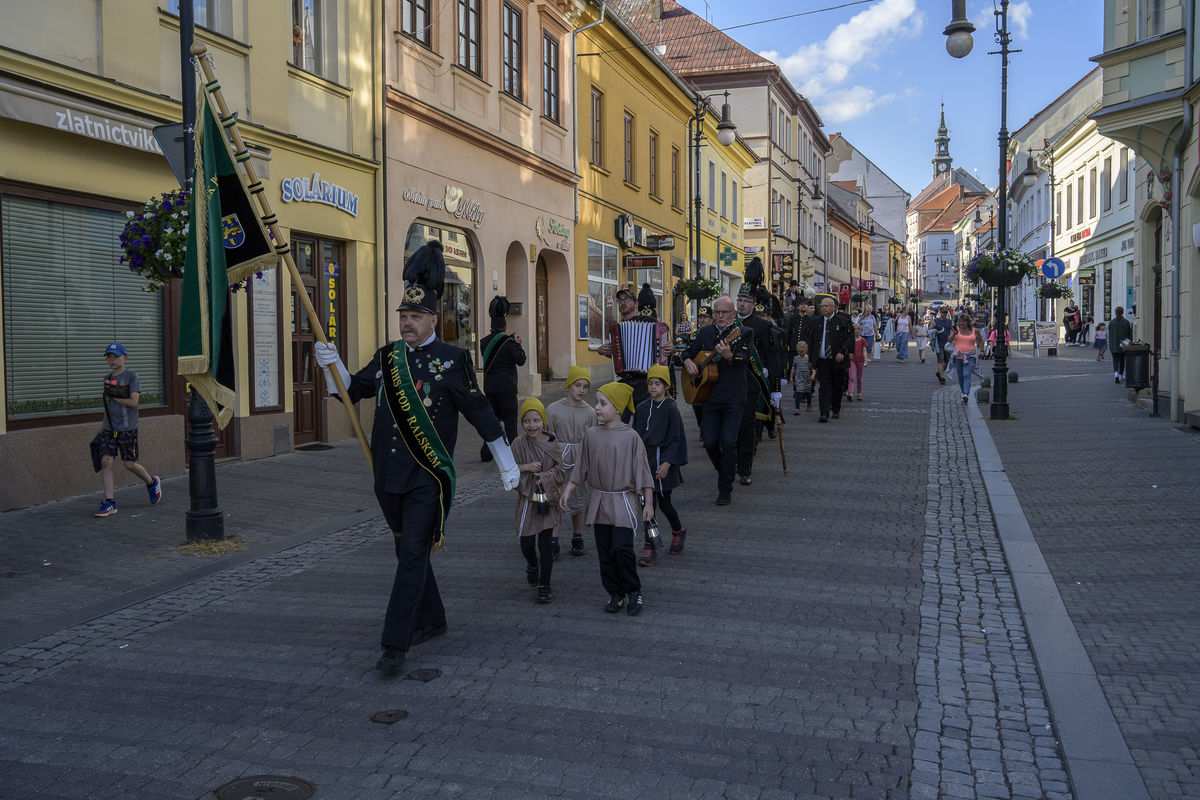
(388, 717)
(423, 675)
(266, 787)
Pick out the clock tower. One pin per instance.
(942, 163)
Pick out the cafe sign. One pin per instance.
(453, 201)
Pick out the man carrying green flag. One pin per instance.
(226, 244)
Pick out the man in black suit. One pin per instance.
(723, 408)
(767, 390)
(830, 345)
(502, 354)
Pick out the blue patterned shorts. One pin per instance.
(125, 443)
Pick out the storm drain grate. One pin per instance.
(266, 787)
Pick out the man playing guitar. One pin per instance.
(724, 404)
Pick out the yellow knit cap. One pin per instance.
(619, 394)
(661, 372)
(533, 404)
(576, 373)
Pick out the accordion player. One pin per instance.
(638, 344)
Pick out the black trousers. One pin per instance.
(663, 500)
(747, 441)
(504, 406)
(539, 554)
(618, 567)
(1119, 363)
(720, 428)
(415, 603)
(636, 380)
(833, 378)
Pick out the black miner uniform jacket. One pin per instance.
(732, 377)
(764, 343)
(441, 372)
(501, 377)
(840, 338)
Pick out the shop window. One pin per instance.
(468, 36)
(511, 49)
(66, 297)
(216, 15)
(550, 88)
(314, 33)
(602, 289)
(414, 20)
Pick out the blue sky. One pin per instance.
(877, 71)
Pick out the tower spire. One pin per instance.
(942, 162)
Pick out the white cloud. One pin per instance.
(820, 69)
(1019, 15)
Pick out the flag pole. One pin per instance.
(267, 216)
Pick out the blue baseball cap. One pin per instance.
(115, 349)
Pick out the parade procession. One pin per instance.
(599, 398)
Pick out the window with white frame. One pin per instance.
(1151, 17)
(66, 297)
(602, 290)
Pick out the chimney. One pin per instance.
(656, 9)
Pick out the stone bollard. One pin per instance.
(987, 382)
(1013, 377)
(983, 396)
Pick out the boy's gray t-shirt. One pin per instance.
(122, 417)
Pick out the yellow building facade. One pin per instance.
(80, 95)
(637, 185)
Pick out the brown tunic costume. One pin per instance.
(613, 466)
(568, 423)
(552, 477)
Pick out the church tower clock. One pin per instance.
(942, 162)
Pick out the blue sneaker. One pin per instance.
(107, 509)
(155, 491)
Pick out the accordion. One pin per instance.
(637, 345)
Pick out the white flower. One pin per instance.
(166, 256)
(128, 215)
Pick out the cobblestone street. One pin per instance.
(850, 630)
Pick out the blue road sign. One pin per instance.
(1053, 268)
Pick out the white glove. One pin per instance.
(510, 473)
(327, 358)
(775, 398)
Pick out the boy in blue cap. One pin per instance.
(119, 433)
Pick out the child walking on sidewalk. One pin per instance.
(119, 433)
(658, 422)
(858, 362)
(802, 377)
(612, 465)
(1100, 341)
(539, 457)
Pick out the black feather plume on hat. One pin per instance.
(754, 275)
(499, 307)
(647, 304)
(424, 278)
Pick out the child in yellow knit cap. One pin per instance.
(568, 419)
(539, 458)
(612, 465)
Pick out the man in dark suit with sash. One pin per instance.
(420, 385)
(502, 354)
(762, 380)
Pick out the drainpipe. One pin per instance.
(575, 89)
(1177, 203)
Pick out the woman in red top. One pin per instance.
(858, 362)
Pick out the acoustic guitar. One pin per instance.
(697, 387)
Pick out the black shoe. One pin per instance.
(554, 551)
(822, 418)
(577, 546)
(545, 595)
(635, 604)
(964, 398)
(1118, 380)
(723, 497)
(770, 433)
(837, 415)
(531, 575)
(745, 480)
(849, 399)
(615, 603)
(425, 634)
(941, 380)
(391, 661)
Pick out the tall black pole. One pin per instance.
(205, 520)
(697, 136)
(1000, 408)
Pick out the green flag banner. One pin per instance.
(226, 244)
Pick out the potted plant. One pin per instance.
(1006, 268)
(1051, 290)
(860, 297)
(894, 301)
(155, 238)
(698, 288)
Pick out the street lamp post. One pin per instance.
(958, 45)
(726, 134)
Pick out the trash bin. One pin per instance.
(1137, 366)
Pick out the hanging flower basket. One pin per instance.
(973, 296)
(894, 301)
(155, 239)
(860, 297)
(698, 288)
(1051, 290)
(1006, 268)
